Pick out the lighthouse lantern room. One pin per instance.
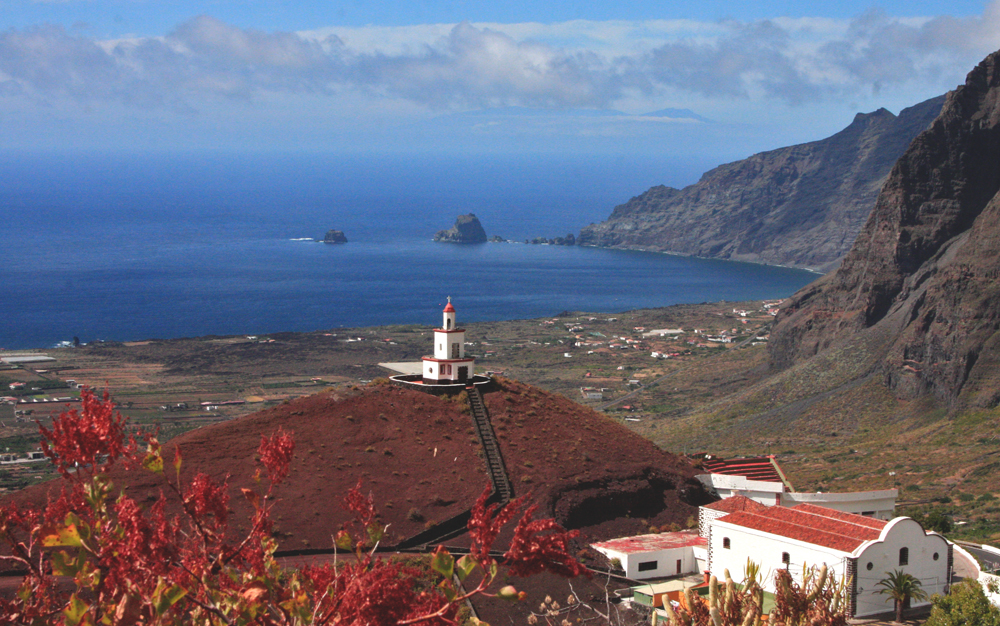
(449, 365)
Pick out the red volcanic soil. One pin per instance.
(420, 458)
(585, 469)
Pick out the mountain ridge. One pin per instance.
(800, 206)
(922, 273)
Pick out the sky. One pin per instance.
(710, 80)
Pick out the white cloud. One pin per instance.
(580, 64)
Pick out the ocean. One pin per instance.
(129, 247)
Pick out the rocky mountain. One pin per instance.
(918, 293)
(467, 229)
(800, 206)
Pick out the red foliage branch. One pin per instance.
(131, 564)
(92, 438)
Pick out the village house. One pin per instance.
(762, 480)
(738, 530)
(657, 555)
(862, 549)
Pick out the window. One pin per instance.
(647, 566)
(454, 350)
(936, 556)
(725, 543)
(868, 513)
(448, 325)
(786, 558)
(904, 556)
(869, 566)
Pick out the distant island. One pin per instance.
(467, 229)
(335, 236)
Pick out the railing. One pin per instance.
(491, 447)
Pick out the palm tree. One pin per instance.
(901, 587)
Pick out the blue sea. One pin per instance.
(122, 247)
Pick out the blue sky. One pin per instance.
(466, 75)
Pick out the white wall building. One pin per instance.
(761, 480)
(880, 504)
(657, 556)
(861, 548)
(448, 365)
(726, 486)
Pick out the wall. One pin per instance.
(987, 581)
(445, 345)
(990, 580)
(881, 504)
(883, 555)
(666, 562)
(762, 491)
(766, 551)
(431, 370)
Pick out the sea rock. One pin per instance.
(919, 292)
(568, 240)
(335, 236)
(800, 206)
(467, 229)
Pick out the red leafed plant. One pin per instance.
(96, 556)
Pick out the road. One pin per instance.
(990, 560)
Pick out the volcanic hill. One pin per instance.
(421, 459)
(800, 206)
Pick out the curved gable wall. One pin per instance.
(883, 555)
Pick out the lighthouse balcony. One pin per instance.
(441, 387)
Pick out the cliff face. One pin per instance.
(800, 206)
(921, 282)
(467, 229)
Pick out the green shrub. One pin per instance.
(966, 605)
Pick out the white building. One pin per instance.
(880, 504)
(657, 556)
(861, 548)
(761, 480)
(449, 365)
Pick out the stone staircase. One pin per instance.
(491, 447)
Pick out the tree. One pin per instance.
(901, 587)
(965, 605)
(129, 564)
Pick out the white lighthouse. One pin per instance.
(449, 365)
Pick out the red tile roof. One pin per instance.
(736, 503)
(860, 520)
(754, 468)
(812, 524)
(649, 543)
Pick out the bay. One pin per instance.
(128, 247)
